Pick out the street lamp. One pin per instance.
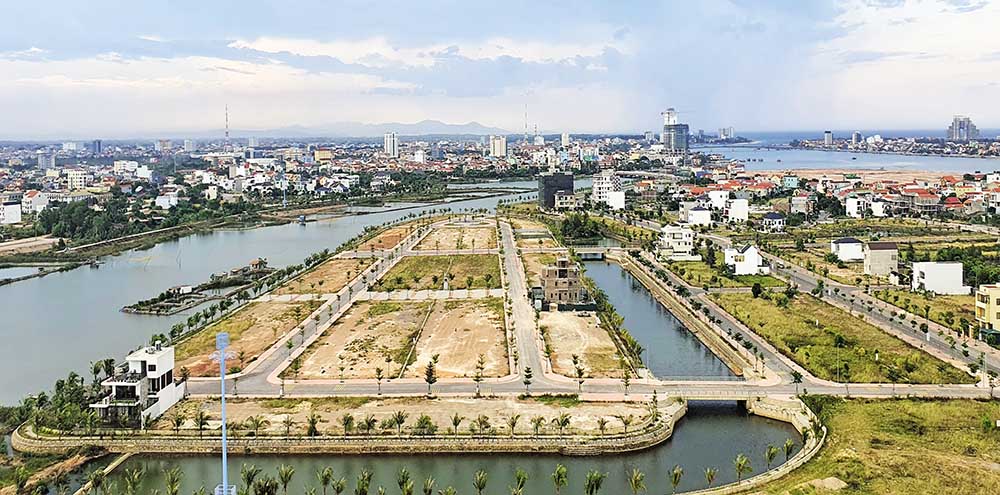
(220, 354)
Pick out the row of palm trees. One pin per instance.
(256, 482)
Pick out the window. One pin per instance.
(151, 368)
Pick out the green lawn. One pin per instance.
(841, 348)
(944, 309)
(902, 447)
(698, 274)
(428, 272)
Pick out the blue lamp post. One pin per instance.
(221, 343)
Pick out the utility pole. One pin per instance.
(221, 343)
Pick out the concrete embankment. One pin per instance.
(25, 439)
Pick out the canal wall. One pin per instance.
(25, 439)
(709, 337)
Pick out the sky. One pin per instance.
(117, 69)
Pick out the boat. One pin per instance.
(302, 219)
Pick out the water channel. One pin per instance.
(711, 435)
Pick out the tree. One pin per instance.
(172, 480)
(456, 421)
(769, 454)
(626, 421)
(561, 422)
(637, 481)
(378, 379)
(325, 477)
(399, 418)
(249, 473)
(675, 477)
(520, 479)
(369, 424)
(560, 477)
(430, 373)
(742, 466)
(288, 423)
(796, 379)
(363, 483)
(602, 425)
(478, 377)
(312, 424)
(96, 478)
(479, 481)
(200, 421)
(285, 474)
(789, 447)
(512, 422)
(403, 480)
(177, 421)
(594, 481)
(255, 423)
(756, 290)
(347, 423)
(428, 487)
(537, 423)
(527, 380)
(339, 485)
(710, 476)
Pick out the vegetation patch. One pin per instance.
(466, 271)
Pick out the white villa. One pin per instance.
(144, 387)
(848, 249)
(939, 277)
(677, 243)
(746, 260)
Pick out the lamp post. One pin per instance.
(221, 343)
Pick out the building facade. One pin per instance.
(881, 258)
(390, 145)
(551, 183)
(561, 284)
(745, 260)
(939, 277)
(142, 389)
(677, 243)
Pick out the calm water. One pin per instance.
(671, 350)
(64, 321)
(17, 271)
(792, 159)
(711, 435)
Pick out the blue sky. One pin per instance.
(131, 68)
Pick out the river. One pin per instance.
(62, 322)
(792, 159)
(711, 435)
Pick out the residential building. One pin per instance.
(34, 201)
(737, 210)
(143, 388)
(962, 129)
(772, 222)
(549, 184)
(76, 178)
(848, 249)
(801, 203)
(745, 260)
(390, 144)
(10, 212)
(881, 258)
(699, 215)
(988, 312)
(790, 182)
(565, 200)
(856, 206)
(828, 138)
(675, 134)
(677, 243)
(939, 277)
(165, 201)
(607, 189)
(561, 284)
(564, 140)
(498, 146)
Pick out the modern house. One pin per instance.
(561, 285)
(565, 200)
(551, 183)
(10, 212)
(772, 222)
(699, 215)
(737, 210)
(746, 260)
(848, 249)
(677, 243)
(988, 314)
(142, 389)
(939, 277)
(881, 258)
(607, 189)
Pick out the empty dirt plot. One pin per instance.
(331, 410)
(387, 239)
(252, 330)
(329, 277)
(454, 237)
(429, 272)
(526, 224)
(533, 264)
(459, 332)
(533, 240)
(570, 332)
(361, 341)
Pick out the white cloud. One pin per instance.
(32, 52)
(151, 37)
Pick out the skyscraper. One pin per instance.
(97, 147)
(675, 134)
(827, 138)
(564, 139)
(253, 142)
(962, 129)
(189, 145)
(391, 144)
(549, 184)
(498, 146)
(857, 138)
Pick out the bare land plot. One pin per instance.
(252, 330)
(459, 238)
(329, 277)
(533, 265)
(458, 332)
(369, 336)
(583, 415)
(429, 272)
(527, 224)
(569, 333)
(387, 239)
(536, 242)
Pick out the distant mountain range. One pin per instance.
(359, 129)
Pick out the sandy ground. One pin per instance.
(28, 245)
(569, 333)
(459, 238)
(327, 278)
(583, 415)
(867, 175)
(533, 264)
(252, 330)
(363, 338)
(458, 332)
(536, 242)
(526, 224)
(386, 240)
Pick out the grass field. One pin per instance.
(945, 310)
(428, 272)
(812, 259)
(698, 274)
(902, 447)
(841, 348)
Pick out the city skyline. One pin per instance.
(756, 66)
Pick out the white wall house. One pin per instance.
(717, 199)
(677, 243)
(939, 277)
(848, 249)
(10, 212)
(772, 222)
(165, 201)
(144, 388)
(855, 207)
(737, 210)
(699, 215)
(746, 260)
(607, 189)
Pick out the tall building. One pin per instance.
(253, 142)
(607, 189)
(97, 147)
(828, 138)
(551, 183)
(857, 138)
(498, 146)
(962, 129)
(648, 136)
(675, 134)
(727, 133)
(390, 144)
(46, 160)
(564, 139)
(189, 145)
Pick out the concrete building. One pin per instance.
(565, 200)
(34, 201)
(856, 206)
(828, 138)
(561, 284)
(699, 215)
(390, 145)
(498, 146)
(677, 243)
(802, 203)
(745, 260)
(939, 277)
(76, 178)
(10, 212)
(143, 389)
(737, 210)
(564, 140)
(881, 258)
(988, 313)
(551, 183)
(772, 222)
(848, 249)
(607, 189)
(675, 134)
(962, 129)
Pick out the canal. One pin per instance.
(671, 350)
(710, 436)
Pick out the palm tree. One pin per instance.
(132, 479)
(561, 422)
(347, 423)
(537, 423)
(456, 421)
(177, 421)
(369, 424)
(403, 480)
(428, 488)
(339, 485)
(626, 421)
(96, 479)
(200, 421)
(512, 422)
(560, 477)
(594, 482)
(520, 479)
(255, 423)
(637, 481)
(602, 425)
(288, 423)
(479, 481)
(769, 454)
(363, 483)
(325, 477)
(172, 480)
(448, 491)
(710, 476)
(789, 448)
(675, 477)
(742, 465)
(312, 424)
(399, 418)
(285, 473)
(378, 379)
(249, 473)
